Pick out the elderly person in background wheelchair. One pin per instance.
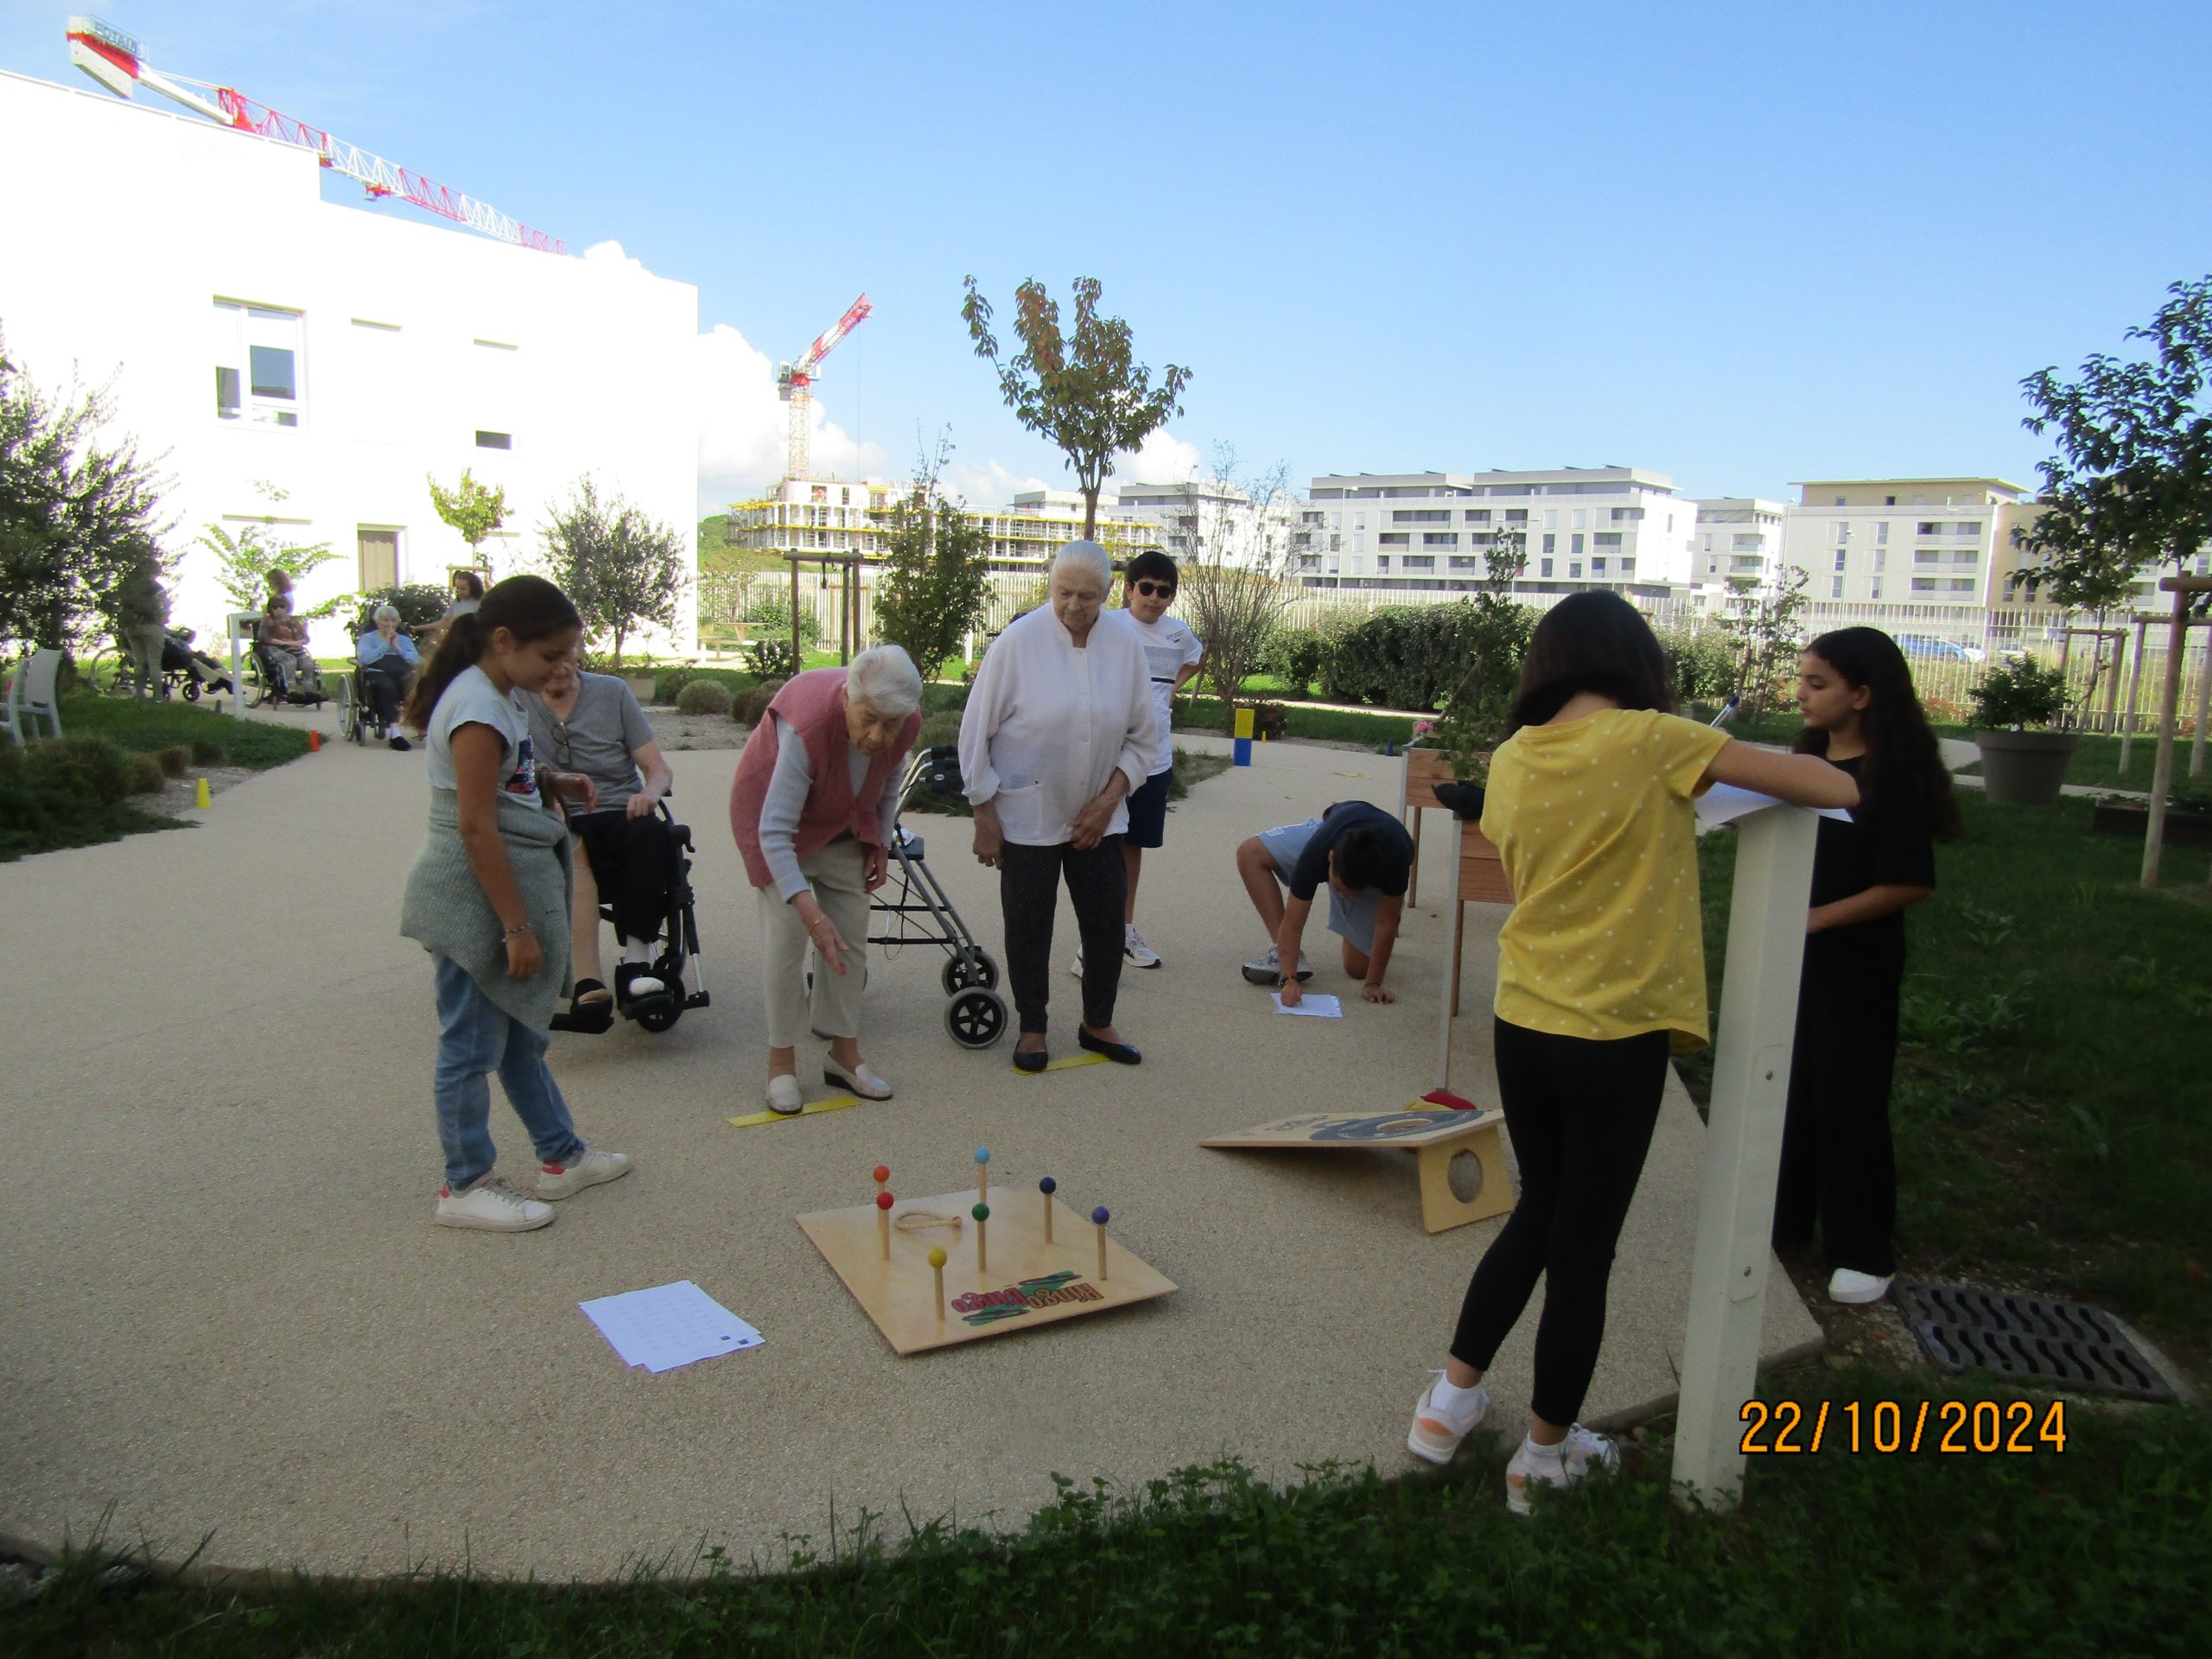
(592, 724)
(813, 807)
(389, 661)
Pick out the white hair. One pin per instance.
(885, 678)
(1087, 557)
(382, 611)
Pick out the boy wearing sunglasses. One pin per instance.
(1173, 653)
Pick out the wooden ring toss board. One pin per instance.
(1029, 1283)
(1435, 1134)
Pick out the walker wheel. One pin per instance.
(658, 1014)
(977, 1017)
(969, 967)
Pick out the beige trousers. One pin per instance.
(838, 875)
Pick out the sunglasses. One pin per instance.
(1156, 589)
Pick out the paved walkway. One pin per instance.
(229, 1316)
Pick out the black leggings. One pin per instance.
(634, 862)
(1838, 1163)
(1098, 887)
(383, 688)
(1580, 1113)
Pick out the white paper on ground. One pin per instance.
(1314, 1006)
(1724, 804)
(669, 1326)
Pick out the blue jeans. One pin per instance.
(476, 1038)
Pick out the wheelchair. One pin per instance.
(677, 963)
(357, 716)
(263, 675)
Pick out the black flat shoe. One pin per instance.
(1120, 1053)
(592, 1019)
(1031, 1062)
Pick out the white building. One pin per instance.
(352, 355)
(1944, 542)
(1203, 517)
(1425, 535)
(1739, 539)
(849, 516)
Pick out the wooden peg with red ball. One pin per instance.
(883, 1203)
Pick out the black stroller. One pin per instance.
(975, 1013)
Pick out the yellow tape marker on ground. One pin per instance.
(834, 1104)
(1063, 1064)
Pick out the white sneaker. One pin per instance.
(784, 1097)
(1076, 967)
(1847, 1285)
(1555, 1466)
(1436, 1434)
(588, 1169)
(491, 1206)
(1266, 969)
(1136, 951)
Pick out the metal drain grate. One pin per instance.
(2065, 1345)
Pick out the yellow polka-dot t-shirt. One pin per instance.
(1593, 821)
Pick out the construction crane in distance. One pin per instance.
(113, 58)
(795, 382)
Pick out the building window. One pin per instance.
(1923, 584)
(1551, 518)
(1875, 591)
(1597, 567)
(1439, 539)
(1421, 515)
(1882, 530)
(1840, 554)
(1544, 567)
(1628, 566)
(1843, 532)
(495, 440)
(1359, 521)
(1627, 515)
(1962, 584)
(1575, 545)
(1838, 500)
(1881, 557)
(1392, 538)
(1574, 569)
(378, 551)
(1835, 587)
(1418, 562)
(1479, 515)
(1582, 518)
(1516, 514)
(1889, 500)
(1928, 527)
(1606, 538)
(257, 367)
(1382, 561)
(1551, 542)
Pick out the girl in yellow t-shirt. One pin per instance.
(1600, 975)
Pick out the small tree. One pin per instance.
(1085, 391)
(1763, 622)
(725, 587)
(1235, 581)
(243, 561)
(935, 582)
(621, 570)
(76, 514)
(1505, 559)
(472, 510)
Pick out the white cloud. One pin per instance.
(610, 254)
(989, 485)
(1163, 459)
(744, 428)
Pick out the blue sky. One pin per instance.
(1739, 244)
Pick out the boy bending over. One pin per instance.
(1364, 856)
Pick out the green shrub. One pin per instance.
(417, 603)
(769, 611)
(772, 658)
(1702, 666)
(206, 751)
(1415, 656)
(938, 729)
(2018, 693)
(148, 774)
(1294, 656)
(751, 703)
(173, 761)
(704, 697)
(1269, 721)
(91, 769)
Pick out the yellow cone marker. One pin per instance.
(199, 798)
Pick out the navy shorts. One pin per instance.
(1148, 810)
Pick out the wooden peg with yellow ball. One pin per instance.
(936, 1267)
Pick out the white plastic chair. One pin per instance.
(34, 694)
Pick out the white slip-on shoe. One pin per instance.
(1849, 1285)
(1436, 1434)
(861, 1080)
(587, 1168)
(1555, 1466)
(784, 1097)
(491, 1206)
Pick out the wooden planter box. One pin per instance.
(1482, 876)
(2184, 828)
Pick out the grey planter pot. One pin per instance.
(2025, 768)
(641, 686)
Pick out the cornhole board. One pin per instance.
(1437, 1135)
(1030, 1282)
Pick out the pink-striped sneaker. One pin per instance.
(588, 1168)
(1436, 1434)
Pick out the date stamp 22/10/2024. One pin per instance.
(2015, 1428)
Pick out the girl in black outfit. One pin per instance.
(1855, 692)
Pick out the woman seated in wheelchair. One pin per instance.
(591, 723)
(389, 661)
(283, 646)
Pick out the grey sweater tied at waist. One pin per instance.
(446, 912)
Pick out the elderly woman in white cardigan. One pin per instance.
(1060, 728)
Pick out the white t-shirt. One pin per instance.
(473, 700)
(1169, 648)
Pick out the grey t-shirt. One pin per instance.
(600, 737)
(473, 700)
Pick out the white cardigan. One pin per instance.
(1048, 723)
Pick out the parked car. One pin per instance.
(1927, 644)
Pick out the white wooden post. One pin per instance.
(1450, 839)
(1743, 1149)
(238, 619)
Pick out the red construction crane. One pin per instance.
(111, 58)
(795, 381)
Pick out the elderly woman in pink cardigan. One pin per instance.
(813, 808)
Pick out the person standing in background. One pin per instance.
(142, 610)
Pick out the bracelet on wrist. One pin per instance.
(519, 927)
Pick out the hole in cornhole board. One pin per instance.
(1464, 1174)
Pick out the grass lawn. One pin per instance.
(2050, 1108)
(1332, 725)
(215, 739)
(2093, 1550)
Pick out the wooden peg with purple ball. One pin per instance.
(883, 1203)
(1048, 1186)
(1101, 1218)
(983, 1214)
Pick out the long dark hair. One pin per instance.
(471, 581)
(1594, 641)
(1902, 761)
(528, 607)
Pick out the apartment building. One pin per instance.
(1944, 542)
(1203, 517)
(847, 516)
(1428, 534)
(353, 354)
(1739, 539)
